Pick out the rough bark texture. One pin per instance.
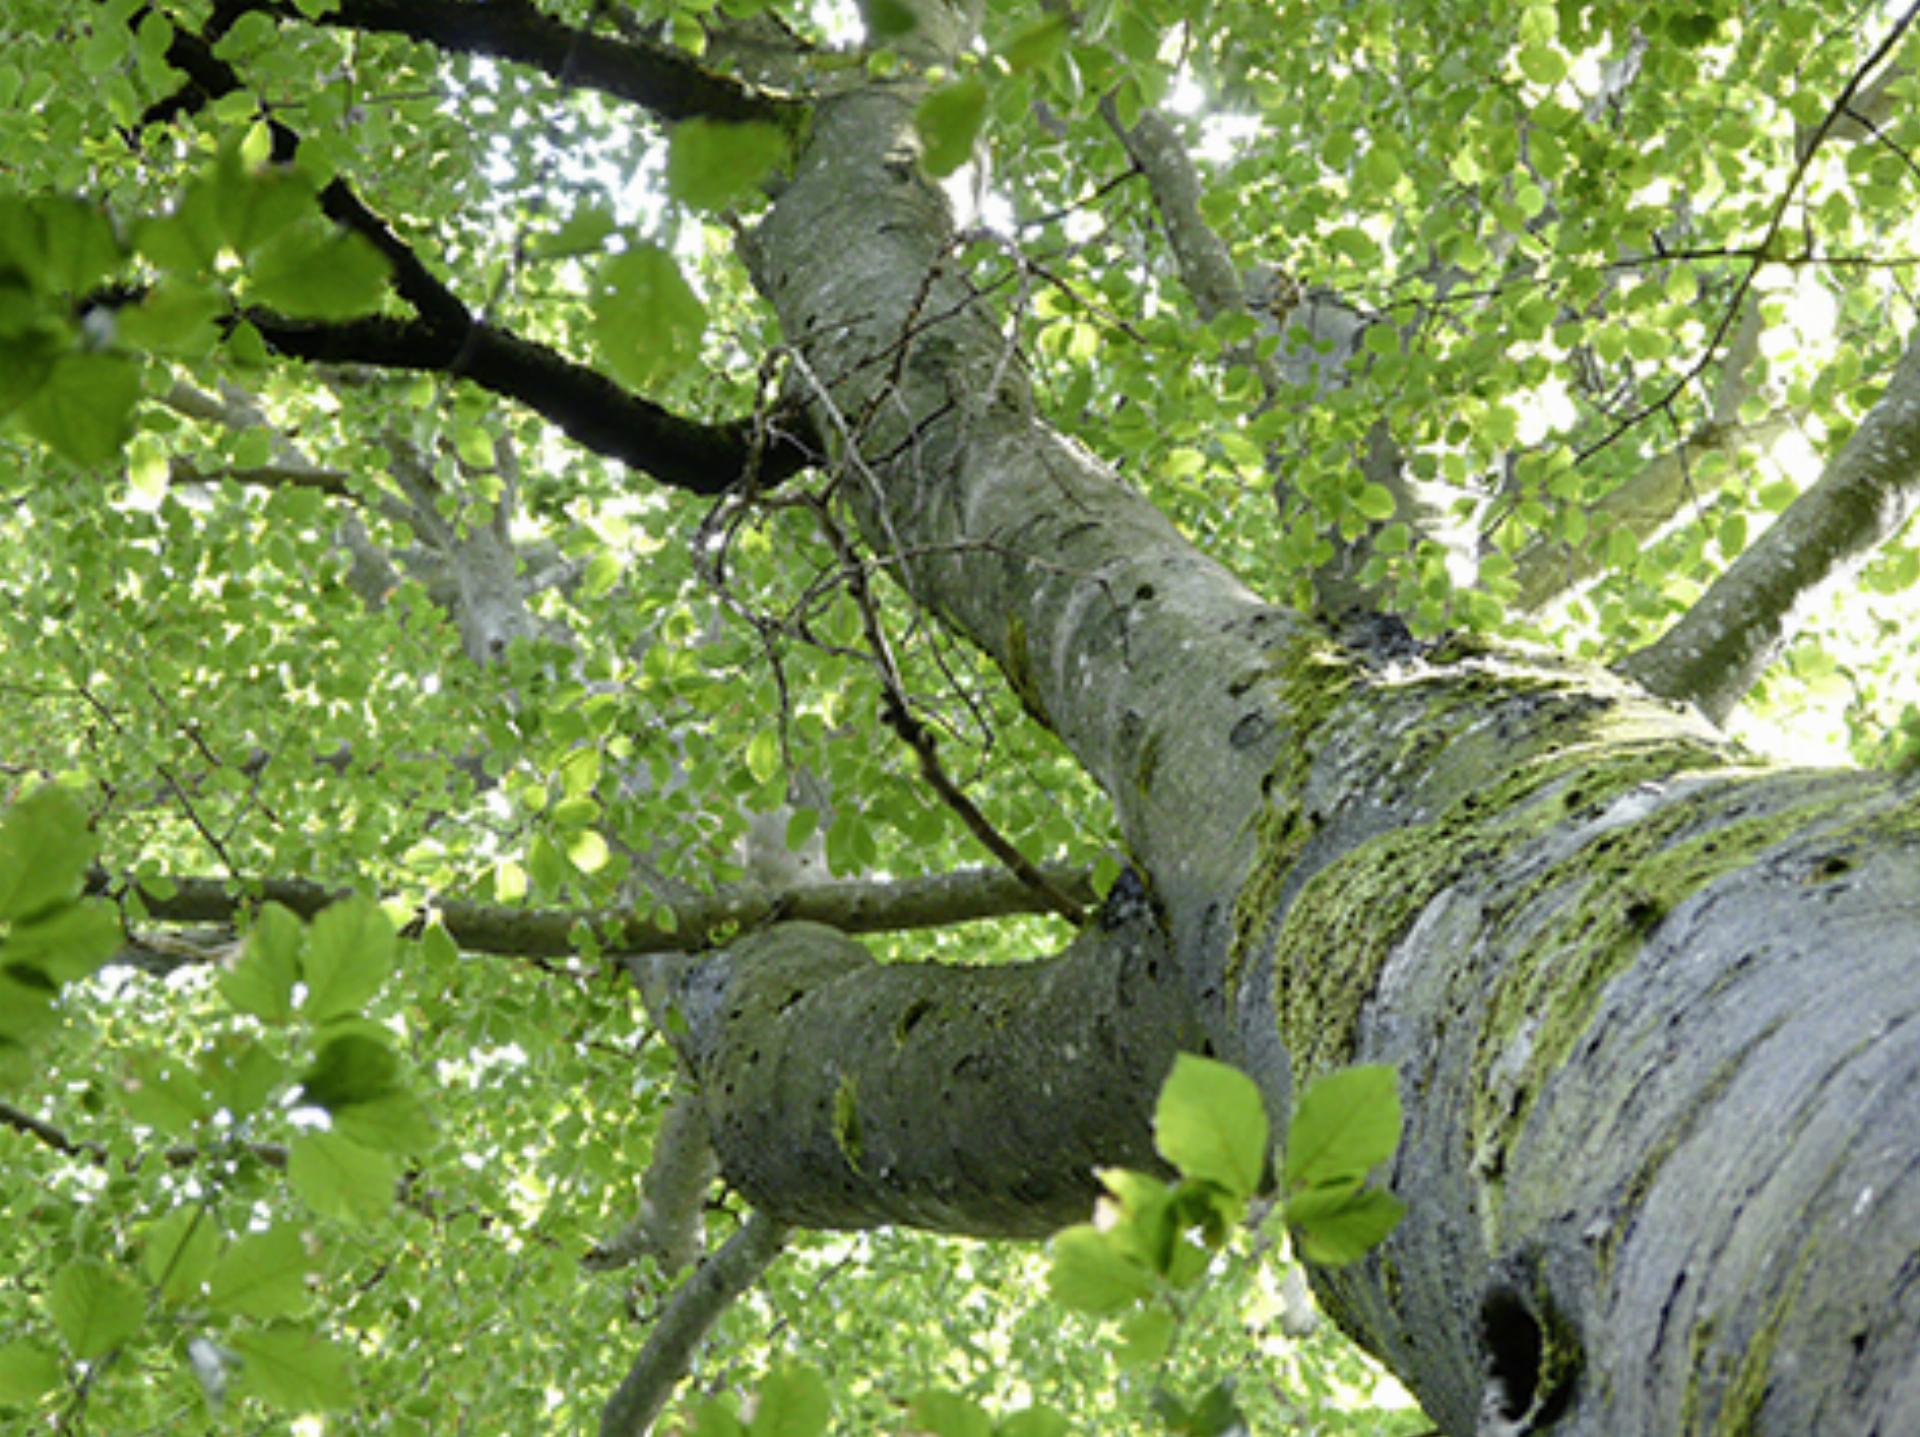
(1651, 1005)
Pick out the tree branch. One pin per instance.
(582, 402)
(1720, 647)
(664, 80)
(446, 338)
(714, 1287)
(853, 906)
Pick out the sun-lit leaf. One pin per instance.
(263, 1274)
(338, 1178)
(1211, 1124)
(350, 948)
(1090, 1274)
(293, 1369)
(96, 1308)
(647, 321)
(1344, 1125)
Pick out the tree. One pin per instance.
(561, 475)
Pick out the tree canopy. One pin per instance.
(454, 565)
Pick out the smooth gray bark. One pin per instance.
(1651, 1004)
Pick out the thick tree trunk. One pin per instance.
(1652, 1006)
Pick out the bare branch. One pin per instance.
(681, 1169)
(665, 80)
(854, 906)
(1721, 646)
(714, 1287)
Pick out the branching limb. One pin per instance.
(668, 1227)
(662, 79)
(853, 906)
(897, 713)
(446, 337)
(699, 1303)
(1320, 336)
(1721, 646)
(582, 402)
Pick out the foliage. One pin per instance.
(333, 1164)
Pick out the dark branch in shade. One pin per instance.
(446, 338)
(589, 407)
(664, 80)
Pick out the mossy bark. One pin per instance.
(1653, 1006)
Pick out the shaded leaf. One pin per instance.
(710, 163)
(947, 121)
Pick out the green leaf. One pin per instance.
(1350, 1230)
(1345, 1124)
(1035, 1422)
(253, 209)
(264, 1274)
(712, 1418)
(888, 19)
(353, 1068)
(319, 273)
(947, 121)
(350, 950)
(1090, 1274)
(1038, 43)
(1375, 502)
(1145, 1337)
(710, 162)
(1211, 1124)
(294, 1370)
(84, 407)
(647, 321)
(94, 1306)
(763, 755)
(159, 1092)
(175, 318)
(947, 1414)
(61, 245)
(44, 852)
(261, 983)
(240, 1073)
(1542, 64)
(338, 1178)
(792, 1403)
(179, 1252)
(64, 944)
(394, 1123)
(27, 1373)
(586, 232)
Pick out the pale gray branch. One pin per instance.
(1719, 649)
(853, 906)
(714, 1287)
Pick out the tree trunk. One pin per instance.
(1651, 1003)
